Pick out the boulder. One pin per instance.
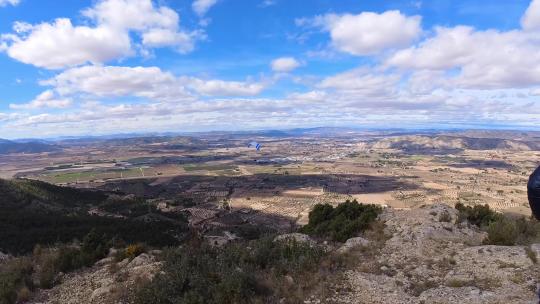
(105, 261)
(353, 243)
(141, 260)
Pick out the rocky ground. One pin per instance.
(106, 282)
(426, 257)
(431, 259)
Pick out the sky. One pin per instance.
(94, 67)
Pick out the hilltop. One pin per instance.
(425, 255)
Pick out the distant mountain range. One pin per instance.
(419, 143)
(26, 146)
(409, 140)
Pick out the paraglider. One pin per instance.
(255, 145)
(533, 192)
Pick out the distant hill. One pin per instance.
(448, 143)
(34, 212)
(8, 147)
(40, 196)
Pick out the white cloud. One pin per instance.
(267, 3)
(201, 7)
(363, 82)
(139, 15)
(311, 96)
(46, 99)
(11, 2)
(112, 81)
(61, 44)
(225, 88)
(145, 82)
(183, 41)
(455, 75)
(477, 59)
(531, 18)
(368, 33)
(285, 64)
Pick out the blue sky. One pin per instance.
(112, 66)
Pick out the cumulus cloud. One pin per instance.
(46, 99)
(453, 75)
(184, 42)
(225, 88)
(145, 82)
(285, 64)
(531, 18)
(201, 7)
(368, 33)
(9, 2)
(112, 81)
(61, 44)
(482, 59)
(363, 82)
(137, 15)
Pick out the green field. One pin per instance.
(204, 167)
(85, 176)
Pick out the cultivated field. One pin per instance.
(281, 182)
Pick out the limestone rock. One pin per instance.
(353, 243)
(429, 260)
(140, 260)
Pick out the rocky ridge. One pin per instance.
(107, 281)
(426, 257)
(431, 259)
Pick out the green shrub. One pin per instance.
(502, 232)
(247, 272)
(528, 231)
(15, 275)
(68, 259)
(47, 271)
(342, 222)
(479, 215)
(130, 252)
(93, 248)
(502, 229)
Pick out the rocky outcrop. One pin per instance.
(425, 257)
(106, 282)
(431, 259)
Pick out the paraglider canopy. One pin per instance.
(533, 192)
(255, 145)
